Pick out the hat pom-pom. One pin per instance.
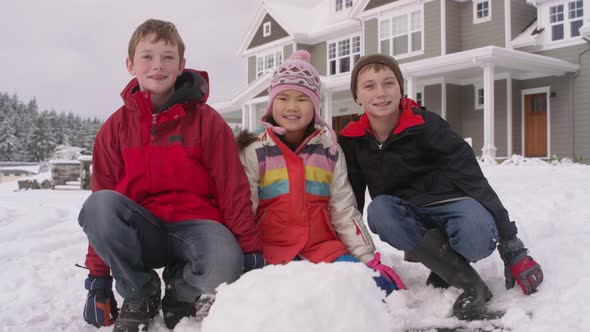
(301, 55)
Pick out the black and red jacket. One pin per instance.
(180, 162)
(423, 161)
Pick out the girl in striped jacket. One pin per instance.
(304, 205)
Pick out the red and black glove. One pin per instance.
(520, 267)
(101, 306)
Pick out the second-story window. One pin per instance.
(566, 24)
(266, 29)
(267, 62)
(341, 4)
(343, 54)
(482, 11)
(401, 35)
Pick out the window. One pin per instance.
(341, 4)
(267, 62)
(482, 11)
(479, 97)
(266, 29)
(420, 96)
(566, 25)
(402, 35)
(343, 54)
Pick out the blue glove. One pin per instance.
(253, 260)
(101, 307)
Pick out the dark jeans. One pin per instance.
(469, 227)
(198, 255)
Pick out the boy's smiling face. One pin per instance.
(156, 67)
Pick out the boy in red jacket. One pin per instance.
(168, 191)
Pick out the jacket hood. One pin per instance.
(407, 119)
(191, 86)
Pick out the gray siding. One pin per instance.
(522, 15)
(472, 120)
(277, 32)
(433, 95)
(582, 112)
(453, 26)
(377, 3)
(287, 51)
(579, 134)
(453, 107)
(251, 68)
(318, 54)
(371, 37)
(482, 34)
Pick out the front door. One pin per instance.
(535, 125)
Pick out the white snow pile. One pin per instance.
(40, 241)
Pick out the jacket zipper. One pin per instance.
(154, 120)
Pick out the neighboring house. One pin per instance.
(514, 76)
(14, 171)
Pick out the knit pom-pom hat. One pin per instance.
(296, 73)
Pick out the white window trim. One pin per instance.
(483, 19)
(406, 11)
(523, 94)
(351, 55)
(420, 89)
(567, 39)
(346, 4)
(266, 29)
(477, 86)
(262, 55)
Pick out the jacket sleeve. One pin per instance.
(221, 159)
(107, 170)
(250, 163)
(458, 161)
(345, 217)
(355, 174)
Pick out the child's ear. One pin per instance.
(129, 65)
(181, 68)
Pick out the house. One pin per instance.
(14, 171)
(514, 76)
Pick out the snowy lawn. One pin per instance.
(40, 241)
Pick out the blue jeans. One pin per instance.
(198, 255)
(470, 228)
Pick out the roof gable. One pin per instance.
(277, 32)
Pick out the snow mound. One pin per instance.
(301, 296)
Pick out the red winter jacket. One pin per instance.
(181, 163)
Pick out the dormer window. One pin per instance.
(266, 29)
(343, 54)
(342, 4)
(566, 24)
(482, 11)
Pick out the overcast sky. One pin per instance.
(70, 54)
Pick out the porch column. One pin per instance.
(411, 87)
(245, 116)
(252, 117)
(489, 147)
(328, 107)
(509, 116)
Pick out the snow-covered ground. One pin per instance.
(41, 290)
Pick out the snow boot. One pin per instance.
(436, 281)
(174, 310)
(136, 313)
(434, 252)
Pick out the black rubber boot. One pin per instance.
(434, 252)
(436, 281)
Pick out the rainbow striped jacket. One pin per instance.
(303, 202)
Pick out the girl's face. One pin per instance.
(378, 92)
(293, 110)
